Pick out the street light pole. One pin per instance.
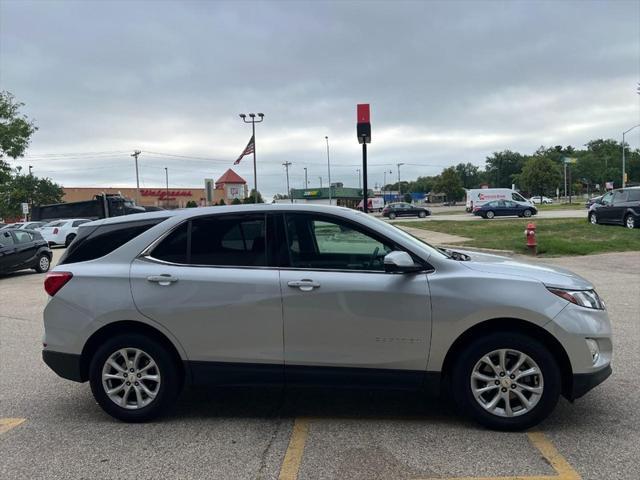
(286, 167)
(252, 120)
(328, 168)
(306, 182)
(320, 181)
(384, 184)
(359, 178)
(135, 155)
(623, 157)
(399, 186)
(166, 194)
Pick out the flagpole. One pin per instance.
(253, 122)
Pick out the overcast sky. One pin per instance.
(447, 82)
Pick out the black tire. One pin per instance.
(69, 239)
(392, 216)
(629, 221)
(422, 214)
(42, 266)
(461, 380)
(593, 218)
(490, 214)
(167, 393)
(527, 213)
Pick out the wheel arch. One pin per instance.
(511, 325)
(126, 326)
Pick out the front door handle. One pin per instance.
(304, 285)
(164, 279)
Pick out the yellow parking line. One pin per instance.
(293, 457)
(7, 424)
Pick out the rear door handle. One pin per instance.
(304, 285)
(163, 280)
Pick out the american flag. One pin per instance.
(250, 148)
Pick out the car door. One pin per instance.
(618, 206)
(210, 284)
(604, 212)
(25, 247)
(7, 251)
(345, 318)
(512, 208)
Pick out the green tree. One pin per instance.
(253, 198)
(15, 129)
(500, 168)
(408, 198)
(191, 204)
(540, 176)
(236, 201)
(469, 174)
(222, 202)
(450, 184)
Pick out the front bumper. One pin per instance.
(66, 365)
(583, 382)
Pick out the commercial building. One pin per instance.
(228, 187)
(341, 196)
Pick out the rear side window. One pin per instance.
(634, 195)
(225, 240)
(22, 236)
(96, 242)
(6, 239)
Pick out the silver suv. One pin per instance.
(268, 294)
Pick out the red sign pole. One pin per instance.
(363, 129)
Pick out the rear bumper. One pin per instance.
(583, 382)
(66, 365)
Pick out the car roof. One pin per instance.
(194, 212)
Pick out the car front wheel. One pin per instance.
(527, 213)
(43, 263)
(593, 218)
(422, 214)
(134, 378)
(489, 214)
(506, 381)
(392, 216)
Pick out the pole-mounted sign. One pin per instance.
(363, 128)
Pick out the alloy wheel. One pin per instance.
(131, 378)
(507, 383)
(630, 222)
(593, 219)
(44, 263)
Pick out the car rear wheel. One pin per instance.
(489, 214)
(422, 214)
(527, 213)
(43, 263)
(134, 378)
(69, 239)
(392, 216)
(629, 221)
(506, 381)
(593, 218)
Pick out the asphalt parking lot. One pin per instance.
(52, 428)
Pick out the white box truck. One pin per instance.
(476, 197)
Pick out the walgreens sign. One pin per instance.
(165, 193)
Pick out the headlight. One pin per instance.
(584, 298)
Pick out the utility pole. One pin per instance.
(399, 185)
(320, 181)
(623, 158)
(328, 168)
(384, 185)
(306, 182)
(286, 167)
(135, 155)
(359, 179)
(166, 196)
(252, 120)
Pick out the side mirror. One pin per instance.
(400, 262)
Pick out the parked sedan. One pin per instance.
(618, 207)
(310, 294)
(62, 232)
(21, 249)
(504, 208)
(402, 209)
(541, 200)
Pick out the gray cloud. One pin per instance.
(448, 82)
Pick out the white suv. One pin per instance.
(62, 232)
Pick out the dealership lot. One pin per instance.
(52, 428)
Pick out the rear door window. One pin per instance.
(22, 237)
(173, 248)
(6, 239)
(634, 195)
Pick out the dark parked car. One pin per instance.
(504, 208)
(619, 207)
(394, 210)
(20, 249)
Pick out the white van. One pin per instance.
(476, 197)
(374, 204)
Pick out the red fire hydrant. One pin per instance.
(532, 243)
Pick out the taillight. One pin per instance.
(55, 231)
(55, 281)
